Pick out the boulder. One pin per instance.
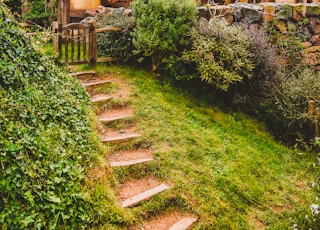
(315, 25)
(313, 10)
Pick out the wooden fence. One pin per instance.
(76, 43)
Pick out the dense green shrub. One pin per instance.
(253, 93)
(161, 28)
(115, 44)
(291, 103)
(46, 141)
(220, 53)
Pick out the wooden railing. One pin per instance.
(76, 43)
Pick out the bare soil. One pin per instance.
(131, 155)
(134, 187)
(163, 222)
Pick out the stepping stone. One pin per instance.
(120, 138)
(78, 74)
(116, 114)
(113, 118)
(183, 224)
(130, 162)
(99, 98)
(94, 83)
(144, 196)
(130, 157)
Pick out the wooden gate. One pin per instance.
(76, 43)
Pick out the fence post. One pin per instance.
(93, 44)
(57, 44)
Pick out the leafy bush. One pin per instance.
(46, 141)
(41, 12)
(291, 102)
(161, 28)
(115, 44)
(220, 53)
(253, 93)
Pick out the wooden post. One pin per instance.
(63, 12)
(316, 122)
(58, 40)
(93, 44)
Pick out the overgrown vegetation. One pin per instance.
(225, 167)
(115, 44)
(220, 53)
(161, 28)
(47, 144)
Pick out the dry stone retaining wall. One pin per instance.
(302, 18)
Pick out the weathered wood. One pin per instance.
(183, 224)
(94, 49)
(77, 13)
(120, 138)
(89, 72)
(95, 83)
(144, 196)
(116, 29)
(130, 162)
(114, 118)
(311, 108)
(101, 98)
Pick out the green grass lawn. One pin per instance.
(225, 167)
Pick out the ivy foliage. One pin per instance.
(220, 53)
(46, 141)
(161, 28)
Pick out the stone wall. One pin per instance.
(302, 18)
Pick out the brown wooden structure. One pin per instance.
(76, 43)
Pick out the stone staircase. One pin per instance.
(131, 193)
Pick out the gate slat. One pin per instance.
(72, 45)
(78, 43)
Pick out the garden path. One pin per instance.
(110, 96)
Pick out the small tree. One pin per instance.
(161, 28)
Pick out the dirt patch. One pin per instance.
(163, 222)
(108, 133)
(114, 113)
(131, 155)
(134, 187)
(255, 222)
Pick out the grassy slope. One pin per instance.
(225, 167)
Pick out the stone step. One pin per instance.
(120, 138)
(113, 118)
(144, 196)
(83, 73)
(99, 98)
(183, 224)
(130, 162)
(95, 83)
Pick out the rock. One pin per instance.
(252, 13)
(313, 10)
(306, 44)
(284, 11)
(312, 55)
(282, 26)
(269, 12)
(298, 12)
(315, 40)
(222, 11)
(315, 25)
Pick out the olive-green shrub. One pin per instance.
(220, 53)
(291, 102)
(161, 28)
(115, 43)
